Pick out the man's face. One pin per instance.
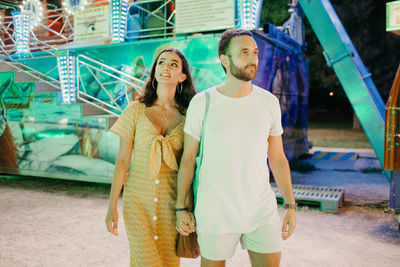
(243, 58)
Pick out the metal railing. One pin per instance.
(42, 77)
(159, 15)
(116, 87)
(55, 28)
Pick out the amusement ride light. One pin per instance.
(115, 20)
(22, 22)
(124, 13)
(66, 71)
(72, 5)
(119, 19)
(248, 13)
(34, 7)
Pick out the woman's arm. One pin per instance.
(120, 171)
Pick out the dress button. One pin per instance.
(154, 218)
(155, 199)
(155, 237)
(157, 181)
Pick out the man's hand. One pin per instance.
(289, 223)
(185, 222)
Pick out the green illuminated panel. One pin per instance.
(393, 16)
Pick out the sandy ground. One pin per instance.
(53, 229)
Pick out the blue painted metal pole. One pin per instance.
(356, 80)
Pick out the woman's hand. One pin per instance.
(112, 221)
(185, 222)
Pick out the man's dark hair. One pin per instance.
(224, 43)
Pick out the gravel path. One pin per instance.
(53, 229)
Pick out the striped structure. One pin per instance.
(334, 155)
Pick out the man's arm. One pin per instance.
(280, 168)
(185, 223)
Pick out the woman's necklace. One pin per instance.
(162, 113)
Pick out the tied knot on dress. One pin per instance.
(161, 150)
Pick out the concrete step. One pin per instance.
(361, 152)
(5, 67)
(111, 120)
(42, 87)
(335, 155)
(24, 77)
(91, 110)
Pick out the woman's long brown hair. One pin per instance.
(181, 99)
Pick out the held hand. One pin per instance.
(289, 223)
(112, 221)
(185, 222)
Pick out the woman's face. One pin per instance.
(169, 69)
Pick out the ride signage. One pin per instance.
(92, 24)
(206, 15)
(393, 17)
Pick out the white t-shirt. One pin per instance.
(234, 194)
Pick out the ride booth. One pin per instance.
(392, 119)
(68, 71)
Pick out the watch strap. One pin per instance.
(290, 206)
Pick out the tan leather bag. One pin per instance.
(187, 246)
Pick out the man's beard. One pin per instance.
(242, 73)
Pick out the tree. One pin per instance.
(377, 48)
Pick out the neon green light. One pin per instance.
(49, 135)
(28, 130)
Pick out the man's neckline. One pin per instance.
(235, 98)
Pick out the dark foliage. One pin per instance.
(364, 22)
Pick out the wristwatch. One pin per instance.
(290, 206)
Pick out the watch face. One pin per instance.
(35, 8)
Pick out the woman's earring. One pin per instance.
(152, 84)
(180, 89)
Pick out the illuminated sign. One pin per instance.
(205, 15)
(393, 17)
(92, 24)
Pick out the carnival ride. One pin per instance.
(57, 78)
(64, 88)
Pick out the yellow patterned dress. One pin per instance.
(150, 189)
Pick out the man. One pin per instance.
(243, 128)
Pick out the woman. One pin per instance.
(153, 129)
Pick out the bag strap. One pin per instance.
(203, 126)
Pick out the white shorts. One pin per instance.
(216, 247)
